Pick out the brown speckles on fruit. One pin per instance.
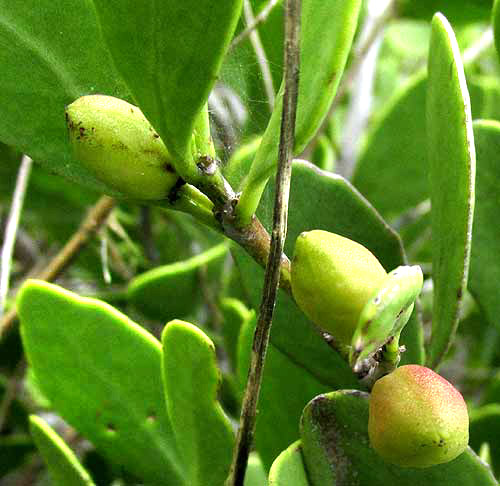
(112, 139)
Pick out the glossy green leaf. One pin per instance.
(460, 11)
(203, 432)
(452, 161)
(340, 209)
(485, 427)
(484, 265)
(102, 373)
(336, 450)
(169, 54)
(322, 65)
(174, 290)
(64, 467)
(66, 60)
(393, 168)
(286, 389)
(288, 468)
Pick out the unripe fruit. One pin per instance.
(417, 418)
(115, 142)
(332, 279)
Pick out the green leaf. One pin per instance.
(485, 427)
(452, 161)
(322, 65)
(66, 60)
(484, 266)
(288, 468)
(64, 467)
(174, 290)
(102, 373)
(393, 167)
(286, 389)
(169, 53)
(336, 450)
(338, 208)
(191, 378)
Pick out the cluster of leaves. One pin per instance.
(157, 402)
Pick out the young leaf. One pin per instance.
(169, 54)
(336, 449)
(452, 161)
(321, 67)
(102, 373)
(64, 467)
(65, 62)
(288, 468)
(484, 265)
(255, 474)
(173, 290)
(191, 378)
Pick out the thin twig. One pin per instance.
(265, 70)
(246, 430)
(259, 18)
(94, 219)
(11, 228)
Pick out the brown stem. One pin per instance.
(94, 219)
(246, 430)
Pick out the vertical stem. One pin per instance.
(246, 430)
(11, 228)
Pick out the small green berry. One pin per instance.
(115, 142)
(417, 418)
(332, 279)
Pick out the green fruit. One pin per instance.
(115, 142)
(332, 279)
(417, 418)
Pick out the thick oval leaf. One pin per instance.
(336, 449)
(322, 65)
(169, 53)
(64, 467)
(66, 60)
(452, 161)
(174, 290)
(338, 208)
(392, 171)
(484, 264)
(102, 373)
(286, 389)
(485, 427)
(191, 378)
(288, 468)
